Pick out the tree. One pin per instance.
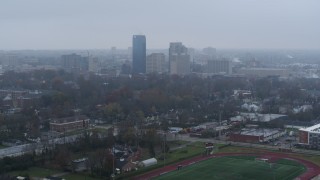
(100, 163)
(151, 139)
(92, 163)
(63, 156)
(112, 111)
(129, 135)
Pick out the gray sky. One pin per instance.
(87, 24)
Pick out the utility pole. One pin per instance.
(219, 124)
(164, 149)
(220, 112)
(113, 175)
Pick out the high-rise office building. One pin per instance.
(9, 60)
(219, 66)
(139, 54)
(74, 62)
(155, 63)
(210, 51)
(113, 51)
(1, 70)
(179, 59)
(94, 65)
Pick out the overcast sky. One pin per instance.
(87, 24)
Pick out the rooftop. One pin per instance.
(315, 128)
(69, 119)
(259, 132)
(262, 117)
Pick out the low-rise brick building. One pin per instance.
(256, 135)
(69, 123)
(310, 136)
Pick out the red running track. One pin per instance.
(312, 169)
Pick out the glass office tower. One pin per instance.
(139, 54)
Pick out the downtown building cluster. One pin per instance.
(179, 62)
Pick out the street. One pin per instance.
(37, 147)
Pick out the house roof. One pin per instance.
(315, 128)
(69, 119)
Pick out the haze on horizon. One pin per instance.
(100, 24)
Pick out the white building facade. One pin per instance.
(155, 63)
(179, 59)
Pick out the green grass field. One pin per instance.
(236, 168)
(35, 172)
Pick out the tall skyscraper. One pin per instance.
(179, 59)
(155, 63)
(139, 54)
(113, 51)
(1, 70)
(94, 65)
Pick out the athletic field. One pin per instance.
(237, 167)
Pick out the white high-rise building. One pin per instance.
(1, 70)
(9, 60)
(179, 59)
(113, 51)
(210, 51)
(155, 63)
(94, 65)
(219, 66)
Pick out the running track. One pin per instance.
(312, 169)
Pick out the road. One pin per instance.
(37, 147)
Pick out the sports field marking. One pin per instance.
(233, 168)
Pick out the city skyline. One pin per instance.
(83, 24)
